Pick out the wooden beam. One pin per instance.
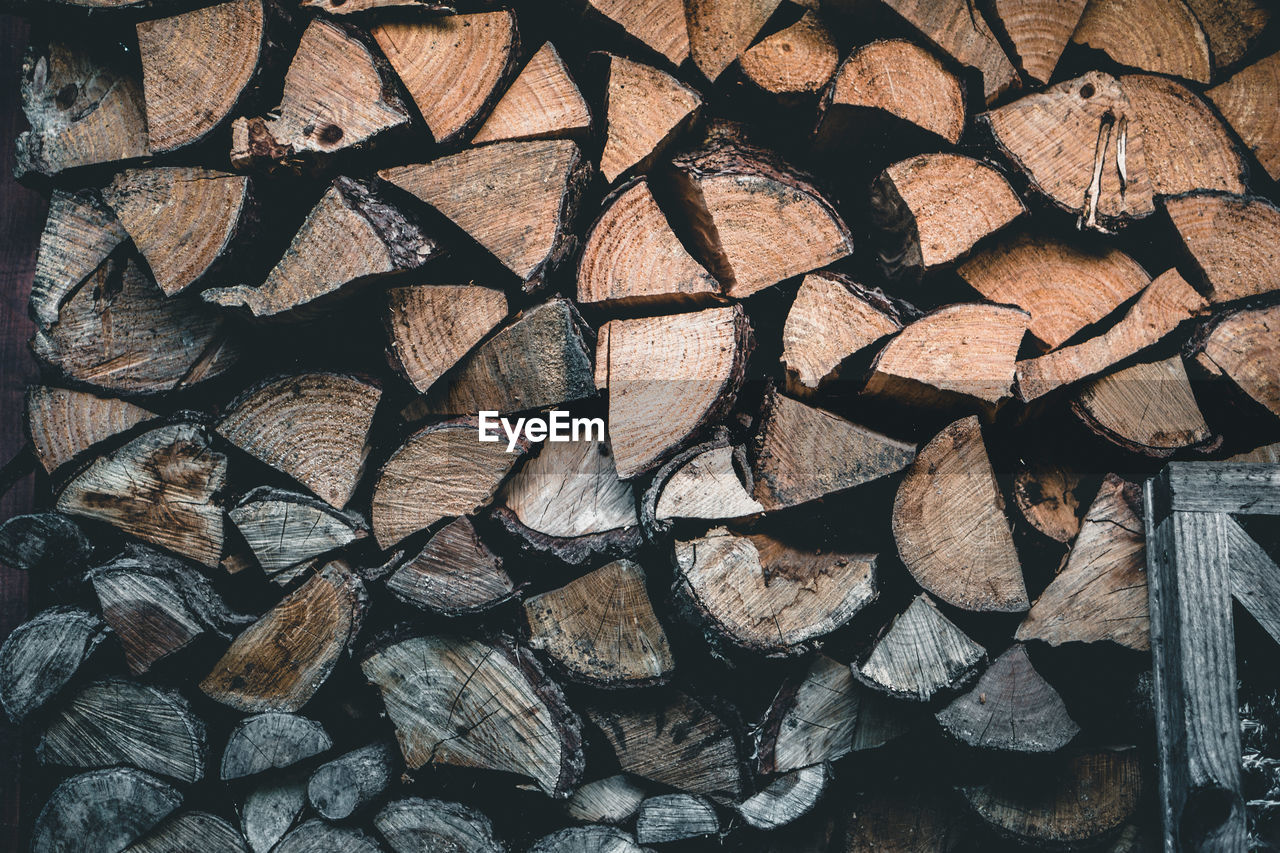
(1255, 579)
(1251, 488)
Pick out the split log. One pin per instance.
(710, 480)
(720, 31)
(658, 24)
(1101, 591)
(350, 238)
(899, 819)
(1169, 39)
(102, 810)
(316, 836)
(675, 817)
(1080, 801)
(1073, 143)
(920, 654)
(802, 453)
(197, 67)
(414, 824)
(431, 327)
(1186, 145)
(587, 839)
(1247, 100)
(337, 95)
(811, 720)
(1232, 240)
(613, 799)
(768, 596)
(113, 722)
(453, 66)
(798, 60)
(1011, 708)
(1063, 286)
(1047, 492)
(894, 78)
(1039, 32)
(284, 528)
(541, 358)
(442, 471)
(543, 102)
(601, 629)
(1148, 409)
(1265, 453)
(271, 741)
(965, 353)
(932, 209)
(950, 525)
(160, 487)
(42, 655)
(355, 7)
(44, 543)
(668, 379)
(347, 784)
(64, 424)
(119, 332)
(80, 232)
(786, 799)
(674, 742)
(191, 831)
(1244, 346)
(757, 221)
(84, 106)
(478, 704)
(1232, 27)
(632, 257)
(959, 30)
(280, 661)
(454, 574)
(270, 809)
(1161, 307)
(313, 427)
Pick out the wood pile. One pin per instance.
(868, 320)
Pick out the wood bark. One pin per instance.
(1147, 408)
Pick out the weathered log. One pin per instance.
(79, 233)
(902, 819)
(455, 573)
(64, 423)
(920, 654)
(542, 102)
(1171, 40)
(316, 836)
(41, 656)
(1039, 32)
(1231, 240)
(675, 817)
(431, 327)
(786, 799)
(658, 24)
(191, 831)
(958, 29)
(587, 839)
(1147, 408)
(271, 808)
(812, 719)
(1047, 491)
(720, 31)
(44, 542)
(1186, 145)
(271, 741)
(355, 7)
(415, 824)
(710, 480)
(1247, 101)
(1244, 346)
(102, 810)
(285, 528)
(349, 783)
(797, 60)
(613, 799)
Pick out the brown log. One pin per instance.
(190, 831)
(1244, 346)
(613, 799)
(102, 810)
(711, 480)
(1169, 39)
(951, 528)
(797, 60)
(1232, 27)
(355, 7)
(313, 427)
(1039, 31)
(1250, 102)
(920, 654)
(1265, 453)
(270, 809)
(285, 528)
(271, 741)
(543, 102)
(455, 573)
(786, 799)
(1232, 239)
(1047, 492)
(720, 31)
(414, 824)
(812, 720)
(645, 110)
(79, 234)
(64, 424)
(42, 655)
(1147, 408)
(431, 327)
(960, 31)
(675, 817)
(354, 781)
(658, 24)
(1186, 145)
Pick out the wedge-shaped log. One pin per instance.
(543, 102)
(1232, 27)
(102, 810)
(914, 817)
(79, 233)
(658, 24)
(1147, 408)
(1244, 346)
(414, 824)
(613, 799)
(797, 60)
(42, 655)
(1186, 145)
(786, 799)
(271, 741)
(316, 835)
(920, 654)
(455, 573)
(44, 542)
(1247, 100)
(431, 327)
(710, 480)
(285, 528)
(1170, 42)
(1039, 32)
(341, 787)
(645, 110)
(271, 808)
(675, 817)
(191, 831)
(720, 31)
(64, 423)
(813, 719)
(587, 839)
(961, 32)
(1232, 239)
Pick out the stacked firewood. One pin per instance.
(886, 309)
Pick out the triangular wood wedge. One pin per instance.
(1250, 102)
(812, 719)
(286, 528)
(413, 824)
(959, 30)
(1101, 592)
(1169, 41)
(192, 830)
(1232, 239)
(65, 423)
(42, 655)
(645, 109)
(797, 60)
(951, 528)
(658, 24)
(1232, 26)
(920, 654)
(478, 704)
(103, 810)
(313, 427)
(1147, 408)
(710, 480)
(356, 7)
(669, 818)
(542, 102)
(454, 574)
(587, 839)
(1039, 32)
(431, 327)
(1244, 346)
(786, 799)
(613, 799)
(721, 30)
(516, 199)
(79, 234)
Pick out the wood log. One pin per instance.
(285, 528)
(454, 574)
(674, 741)
(64, 423)
(919, 821)
(312, 426)
(44, 543)
(1148, 409)
(960, 31)
(350, 238)
(587, 839)
(1171, 41)
(1063, 286)
(720, 31)
(1047, 491)
(802, 453)
(675, 817)
(102, 810)
(1231, 240)
(1073, 143)
(454, 66)
(569, 502)
(812, 719)
(668, 379)
(1160, 308)
(613, 799)
(191, 831)
(710, 480)
(197, 67)
(1264, 453)
(756, 220)
(964, 353)
(1232, 27)
(543, 102)
(1011, 708)
(414, 824)
(478, 704)
(1186, 145)
(119, 333)
(271, 741)
(431, 327)
(79, 233)
(281, 660)
(895, 78)
(763, 594)
(338, 95)
(272, 807)
(657, 24)
(1101, 591)
(356, 7)
(41, 656)
(441, 472)
(920, 654)
(115, 722)
(316, 836)
(1247, 101)
(601, 629)
(352, 782)
(160, 487)
(633, 258)
(1242, 346)
(930, 210)
(797, 60)
(85, 108)
(786, 799)
(1039, 32)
